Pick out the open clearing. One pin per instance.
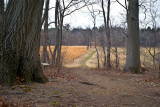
(69, 53)
(73, 55)
(78, 86)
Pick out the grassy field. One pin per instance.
(69, 53)
(146, 58)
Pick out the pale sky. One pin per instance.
(82, 18)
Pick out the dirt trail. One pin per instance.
(87, 88)
(78, 63)
(107, 90)
(80, 87)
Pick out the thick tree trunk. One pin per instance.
(22, 42)
(1, 33)
(133, 41)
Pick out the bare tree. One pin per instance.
(45, 55)
(115, 44)
(104, 16)
(95, 42)
(57, 31)
(94, 14)
(153, 11)
(106, 23)
(62, 10)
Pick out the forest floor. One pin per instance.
(83, 87)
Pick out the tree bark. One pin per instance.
(107, 31)
(1, 33)
(22, 42)
(57, 33)
(59, 49)
(159, 69)
(117, 59)
(45, 55)
(108, 37)
(133, 40)
(98, 65)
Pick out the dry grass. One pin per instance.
(69, 53)
(146, 58)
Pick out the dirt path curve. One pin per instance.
(78, 63)
(87, 88)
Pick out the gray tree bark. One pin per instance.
(1, 32)
(54, 56)
(98, 65)
(45, 55)
(21, 42)
(105, 23)
(107, 30)
(59, 49)
(108, 37)
(133, 41)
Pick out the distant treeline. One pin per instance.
(79, 36)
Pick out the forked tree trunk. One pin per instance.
(59, 49)
(57, 33)
(59, 16)
(1, 31)
(22, 42)
(133, 41)
(107, 31)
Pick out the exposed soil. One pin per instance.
(86, 88)
(79, 87)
